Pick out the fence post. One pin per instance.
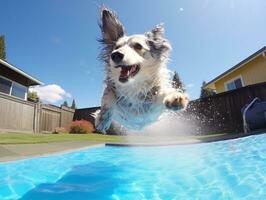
(61, 117)
(36, 119)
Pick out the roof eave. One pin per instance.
(34, 80)
(237, 66)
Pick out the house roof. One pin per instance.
(34, 81)
(237, 66)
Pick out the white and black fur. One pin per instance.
(137, 83)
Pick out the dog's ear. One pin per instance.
(112, 28)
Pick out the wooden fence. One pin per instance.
(52, 117)
(222, 112)
(17, 115)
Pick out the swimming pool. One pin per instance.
(232, 169)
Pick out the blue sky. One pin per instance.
(56, 40)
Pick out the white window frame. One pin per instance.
(10, 92)
(232, 80)
(10, 87)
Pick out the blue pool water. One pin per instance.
(233, 169)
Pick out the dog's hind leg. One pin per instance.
(103, 119)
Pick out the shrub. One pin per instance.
(60, 130)
(81, 126)
(33, 97)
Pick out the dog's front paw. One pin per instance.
(176, 100)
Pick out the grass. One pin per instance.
(27, 138)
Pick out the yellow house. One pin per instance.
(250, 71)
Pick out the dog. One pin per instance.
(137, 82)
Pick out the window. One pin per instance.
(234, 84)
(12, 88)
(5, 85)
(18, 90)
(231, 86)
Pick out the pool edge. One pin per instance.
(186, 142)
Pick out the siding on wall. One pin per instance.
(252, 73)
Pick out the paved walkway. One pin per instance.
(9, 152)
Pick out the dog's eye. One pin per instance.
(137, 46)
(117, 47)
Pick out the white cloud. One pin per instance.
(181, 9)
(51, 93)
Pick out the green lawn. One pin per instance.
(27, 138)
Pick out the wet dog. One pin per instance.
(137, 82)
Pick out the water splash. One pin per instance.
(168, 128)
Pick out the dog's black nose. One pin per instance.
(117, 57)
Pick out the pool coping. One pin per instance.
(13, 158)
(185, 142)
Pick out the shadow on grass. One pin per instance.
(92, 181)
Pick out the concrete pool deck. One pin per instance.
(11, 152)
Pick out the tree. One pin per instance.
(2, 47)
(33, 97)
(177, 83)
(65, 104)
(73, 106)
(206, 92)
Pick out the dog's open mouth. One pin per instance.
(127, 72)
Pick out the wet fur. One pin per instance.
(142, 99)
